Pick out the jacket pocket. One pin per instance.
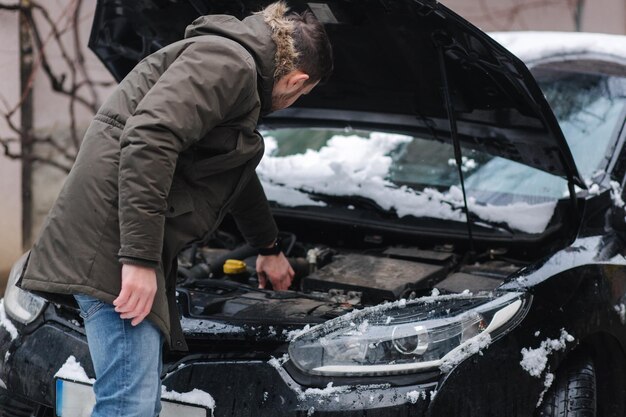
(179, 201)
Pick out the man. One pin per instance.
(166, 157)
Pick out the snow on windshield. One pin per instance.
(351, 165)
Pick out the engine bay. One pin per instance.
(219, 280)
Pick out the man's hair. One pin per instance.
(315, 55)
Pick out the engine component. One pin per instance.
(461, 281)
(415, 254)
(379, 279)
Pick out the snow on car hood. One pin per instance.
(356, 166)
(390, 57)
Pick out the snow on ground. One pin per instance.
(6, 323)
(358, 166)
(534, 361)
(530, 46)
(73, 371)
(196, 396)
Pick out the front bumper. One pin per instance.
(240, 388)
(260, 388)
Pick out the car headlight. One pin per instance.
(20, 305)
(406, 337)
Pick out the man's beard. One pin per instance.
(281, 101)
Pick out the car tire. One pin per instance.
(573, 392)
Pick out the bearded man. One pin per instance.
(167, 156)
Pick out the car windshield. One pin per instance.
(416, 176)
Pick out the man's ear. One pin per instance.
(296, 79)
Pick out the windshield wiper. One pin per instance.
(371, 205)
(355, 201)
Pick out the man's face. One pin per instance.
(289, 88)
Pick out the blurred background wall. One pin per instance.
(602, 16)
(66, 83)
(57, 117)
(10, 206)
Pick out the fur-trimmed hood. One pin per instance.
(282, 34)
(267, 35)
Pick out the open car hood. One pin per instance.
(387, 71)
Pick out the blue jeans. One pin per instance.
(127, 361)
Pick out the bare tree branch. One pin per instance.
(69, 78)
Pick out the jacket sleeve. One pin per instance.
(206, 84)
(253, 216)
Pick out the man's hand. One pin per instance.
(277, 269)
(139, 286)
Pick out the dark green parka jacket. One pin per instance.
(170, 152)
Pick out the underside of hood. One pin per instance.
(388, 69)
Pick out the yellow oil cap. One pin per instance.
(234, 266)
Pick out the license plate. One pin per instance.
(76, 399)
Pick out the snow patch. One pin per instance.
(73, 371)
(414, 396)
(620, 309)
(472, 346)
(322, 393)
(6, 323)
(534, 361)
(594, 189)
(291, 335)
(467, 164)
(278, 363)
(355, 315)
(616, 194)
(195, 396)
(547, 383)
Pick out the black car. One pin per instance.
(456, 222)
